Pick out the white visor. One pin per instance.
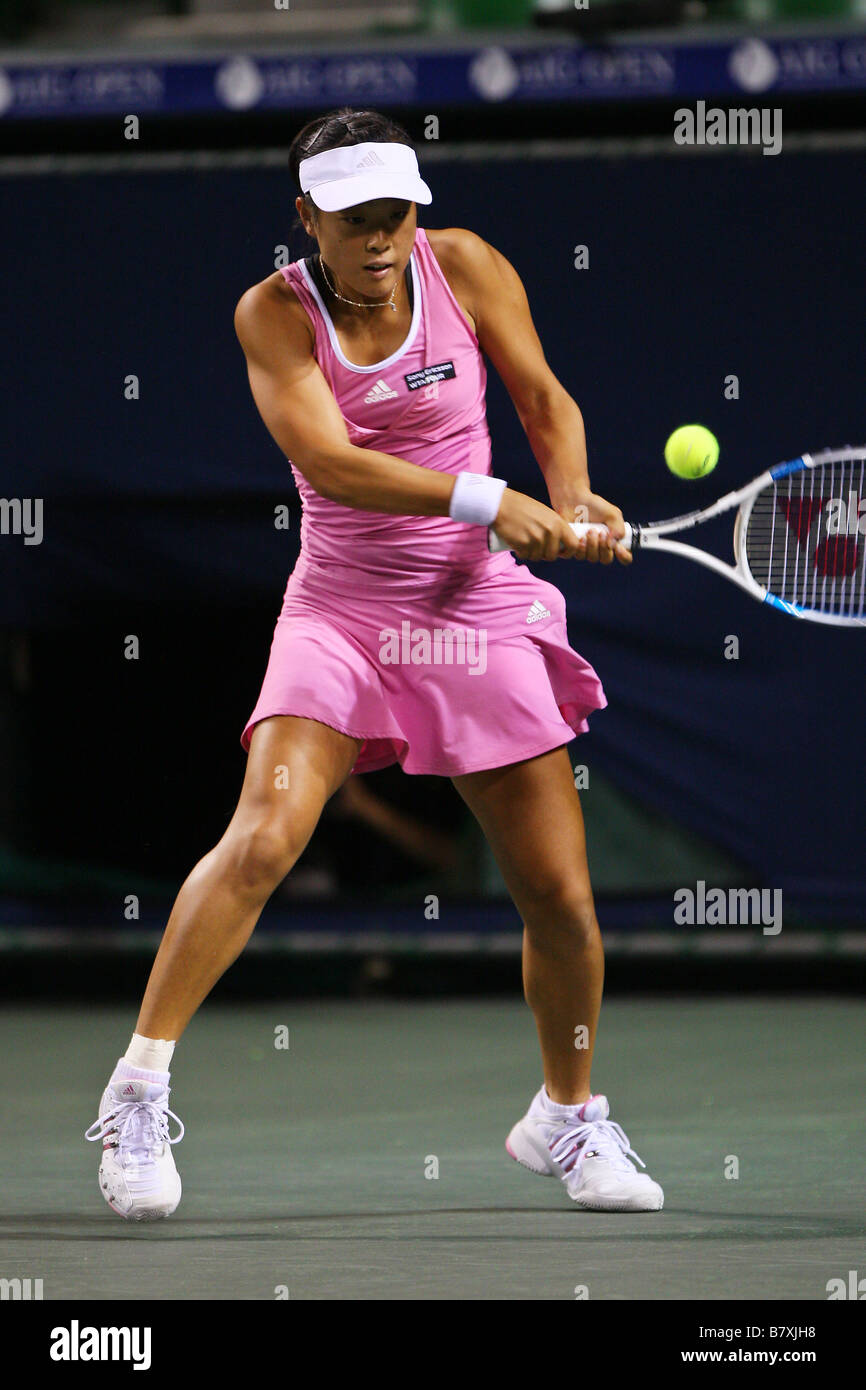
(355, 174)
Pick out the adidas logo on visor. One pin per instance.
(371, 158)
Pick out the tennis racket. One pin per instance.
(799, 537)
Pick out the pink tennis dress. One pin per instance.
(404, 631)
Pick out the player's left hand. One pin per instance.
(588, 506)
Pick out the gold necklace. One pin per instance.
(386, 304)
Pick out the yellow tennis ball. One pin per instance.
(692, 451)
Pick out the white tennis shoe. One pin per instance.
(588, 1152)
(137, 1174)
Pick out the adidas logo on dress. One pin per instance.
(537, 612)
(380, 392)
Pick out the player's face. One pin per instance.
(356, 239)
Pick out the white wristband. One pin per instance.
(476, 498)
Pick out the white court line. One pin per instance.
(36, 941)
(618, 147)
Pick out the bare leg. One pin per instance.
(531, 816)
(221, 900)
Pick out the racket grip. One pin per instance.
(580, 528)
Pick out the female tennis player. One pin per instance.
(365, 361)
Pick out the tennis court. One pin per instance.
(304, 1167)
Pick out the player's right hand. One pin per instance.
(534, 531)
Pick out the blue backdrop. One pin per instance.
(699, 267)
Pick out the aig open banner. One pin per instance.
(545, 71)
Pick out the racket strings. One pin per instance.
(806, 538)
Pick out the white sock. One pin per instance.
(146, 1059)
(555, 1108)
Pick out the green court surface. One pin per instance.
(304, 1168)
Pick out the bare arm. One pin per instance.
(551, 419)
(300, 412)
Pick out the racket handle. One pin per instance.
(580, 528)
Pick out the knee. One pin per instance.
(259, 856)
(562, 911)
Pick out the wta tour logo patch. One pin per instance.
(428, 376)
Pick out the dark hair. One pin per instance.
(345, 126)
